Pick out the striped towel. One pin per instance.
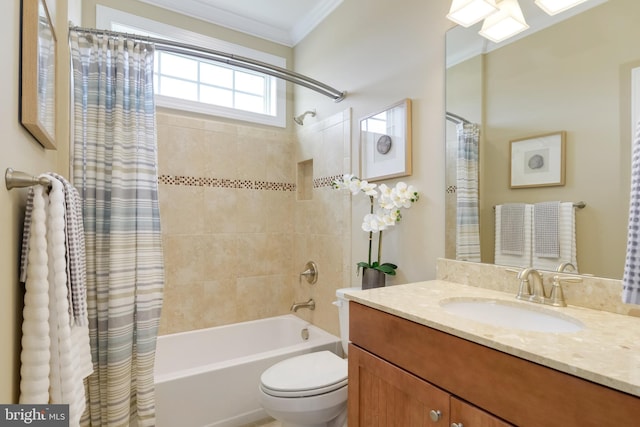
(631, 277)
(76, 259)
(74, 244)
(512, 229)
(546, 219)
(56, 355)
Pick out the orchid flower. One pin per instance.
(390, 201)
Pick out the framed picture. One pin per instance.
(538, 161)
(385, 143)
(38, 72)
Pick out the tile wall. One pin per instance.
(235, 230)
(322, 223)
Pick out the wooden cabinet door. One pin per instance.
(383, 395)
(466, 415)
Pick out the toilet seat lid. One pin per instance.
(306, 375)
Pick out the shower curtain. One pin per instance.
(115, 170)
(467, 216)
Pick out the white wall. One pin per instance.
(20, 151)
(382, 52)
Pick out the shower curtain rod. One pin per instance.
(457, 119)
(227, 58)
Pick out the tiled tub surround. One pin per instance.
(234, 233)
(606, 351)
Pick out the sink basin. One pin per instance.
(511, 315)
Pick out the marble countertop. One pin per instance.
(606, 351)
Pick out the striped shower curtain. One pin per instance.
(115, 169)
(467, 217)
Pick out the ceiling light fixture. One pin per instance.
(469, 12)
(553, 7)
(506, 22)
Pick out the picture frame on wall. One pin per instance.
(385, 143)
(538, 161)
(38, 73)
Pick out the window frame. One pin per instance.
(111, 18)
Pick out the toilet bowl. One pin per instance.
(310, 390)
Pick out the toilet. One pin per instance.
(310, 390)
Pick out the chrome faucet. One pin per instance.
(311, 305)
(531, 292)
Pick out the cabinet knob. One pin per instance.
(456, 425)
(435, 415)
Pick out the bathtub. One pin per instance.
(209, 377)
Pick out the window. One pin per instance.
(195, 84)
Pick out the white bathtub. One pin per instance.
(209, 377)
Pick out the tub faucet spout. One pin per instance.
(311, 305)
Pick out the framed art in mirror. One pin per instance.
(385, 143)
(538, 161)
(38, 72)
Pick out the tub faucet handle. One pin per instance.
(310, 272)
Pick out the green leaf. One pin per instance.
(387, 268)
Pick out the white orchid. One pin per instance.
(405, 195)
(401, 196)
(380, 221)
(390, 201)
(355, 185)
(372, 223)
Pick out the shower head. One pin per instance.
(300, 119)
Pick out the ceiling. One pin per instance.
(285, 22)
(464, 43)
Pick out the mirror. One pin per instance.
(574, 76)
(37, 82)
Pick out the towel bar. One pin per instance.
(577, 205)
(16, 179)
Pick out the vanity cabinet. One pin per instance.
(401, 371)
(388, 396)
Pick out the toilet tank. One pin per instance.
(343, 314)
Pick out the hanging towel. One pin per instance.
(546, 222)
(566, 241)
(63, 351)
(74, 242)
(75, 249)
(34, 370)
(631, 276)
(512, 229)
(516, 258)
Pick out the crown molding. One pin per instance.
(204, 11)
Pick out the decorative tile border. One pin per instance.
(192, 181)
(245, 184)
(325, 181)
